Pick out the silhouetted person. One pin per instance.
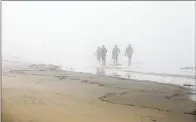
(128, 53)
(98, 54)
(103, 54)
(115, 53)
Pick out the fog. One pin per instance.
(162, 33)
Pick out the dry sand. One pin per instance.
(60, 96)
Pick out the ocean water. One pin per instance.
(137, 71)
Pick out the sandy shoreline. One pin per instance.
(59, 96)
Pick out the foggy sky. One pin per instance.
(161, 32)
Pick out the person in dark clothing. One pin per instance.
(98, 54)
(103, 54)
(128, 53)
(115, 53)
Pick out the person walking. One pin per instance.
(103, 54)
(98, 54)
(128, 53)
(115, 53)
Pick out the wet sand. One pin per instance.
(62, 96)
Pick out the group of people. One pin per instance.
(101, 54)
(102, 51)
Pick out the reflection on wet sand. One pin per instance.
(115, 74)
(128, 75)
(100, 71)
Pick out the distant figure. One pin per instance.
(128, 53)
(98, 54)
(115, 53)
(103, 54)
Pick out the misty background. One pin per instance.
(66, 33)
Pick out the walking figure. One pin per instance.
(103, 54)
(115, 53)
(128, 53)
(98, 54)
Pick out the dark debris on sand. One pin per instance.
(45, 67)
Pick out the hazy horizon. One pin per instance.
(162, 33)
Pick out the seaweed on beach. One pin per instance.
(192, 113)
(45, 67)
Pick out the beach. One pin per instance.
(51, 71)
(34, 95)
